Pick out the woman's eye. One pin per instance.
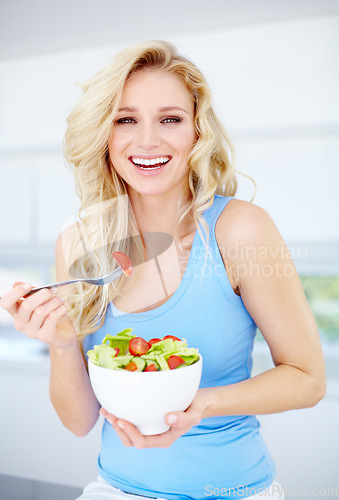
(125, 120)
(172, 119)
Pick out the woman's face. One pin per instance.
(153, 134)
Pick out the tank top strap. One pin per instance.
(212, 214)
(209, 257)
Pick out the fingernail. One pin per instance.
(121, 425)
(54, 290)
(26, 286)
(171, 419)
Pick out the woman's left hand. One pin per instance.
(180, 422)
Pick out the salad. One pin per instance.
(125, 351)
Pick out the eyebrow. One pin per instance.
(173, 108)
(161, 110)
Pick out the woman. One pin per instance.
(150, 156)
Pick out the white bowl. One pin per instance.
(144, 398)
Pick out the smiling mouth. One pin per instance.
(150, 163)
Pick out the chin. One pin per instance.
(156, 187)
(148, 188)
(150, 191)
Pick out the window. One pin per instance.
(322, 293)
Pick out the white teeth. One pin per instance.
(147, 162)
(152, 168)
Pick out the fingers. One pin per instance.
(10, 301)
(126, 441)
(16, 283)
(140, 441)
(131, 436)
(36, 315)
(35, 308)
(38, 310)
(180, 423)
(129, 433)
(119, 428)
(45, 317)
(183, 420)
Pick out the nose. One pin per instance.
(148, 136)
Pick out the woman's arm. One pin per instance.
(70, 388)
(261, 269)
(43, 316)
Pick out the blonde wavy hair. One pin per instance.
(106, 220)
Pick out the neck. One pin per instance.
(158, 213)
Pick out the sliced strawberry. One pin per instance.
(150, 368)
(138, 346)
(131, 367)
(154, 341)
(124, 262)
(170, 337)
(175, 361)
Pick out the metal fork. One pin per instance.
(103, 280)
(125, 266)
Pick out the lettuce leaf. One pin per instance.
(121, 340)
(104, 355)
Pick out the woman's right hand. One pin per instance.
(41, 316)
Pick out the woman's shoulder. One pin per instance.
(244, 222)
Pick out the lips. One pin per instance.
(150, 162)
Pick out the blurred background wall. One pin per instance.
(273, 67)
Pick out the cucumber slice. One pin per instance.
(140, 362)
(152, 362)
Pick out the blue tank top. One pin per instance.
(222, 455)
